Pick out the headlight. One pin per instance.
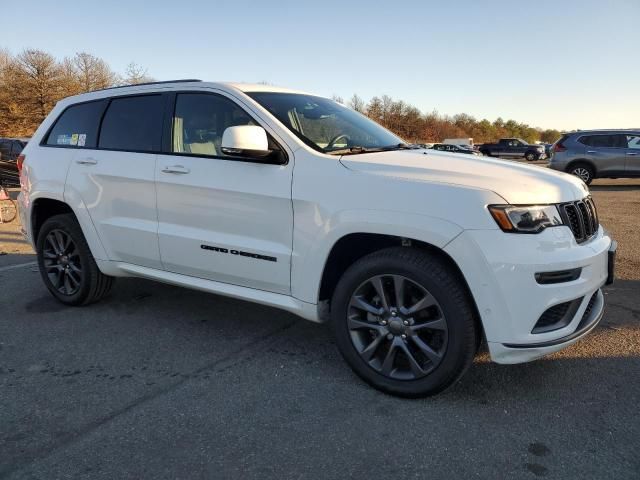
(525, 218)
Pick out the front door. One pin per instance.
(220, 217)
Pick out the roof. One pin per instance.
(605, 130)
(172, 84)
(260, 87)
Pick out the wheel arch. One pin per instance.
(353, 246)
(44, 207)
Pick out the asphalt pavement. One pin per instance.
(162, 382)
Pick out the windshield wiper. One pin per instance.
(400, 146)
(352, 150)
(356, 149)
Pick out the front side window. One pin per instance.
(324, 124)
(633, 141)
(201, 119)
(133, 124)
(77, 126)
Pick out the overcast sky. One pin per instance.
(555, 64)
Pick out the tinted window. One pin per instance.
(77, 126)
(17, 148)
(201, 119)
(5, 148)
(133, 123)
(605, 141)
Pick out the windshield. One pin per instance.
(326, 125)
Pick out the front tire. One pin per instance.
(531, 156)
(66, 265)
(404, 322)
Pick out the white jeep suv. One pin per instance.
(294, 201)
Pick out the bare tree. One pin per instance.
(356, 103)
(135, 74)
(337, 98)
(89, 72)
(32, 82)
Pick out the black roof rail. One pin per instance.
(149, 83)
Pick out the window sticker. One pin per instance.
(74, 139)
(63, 139)
(82, 139)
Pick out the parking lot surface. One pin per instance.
(162, 382)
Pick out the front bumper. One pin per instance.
(514, 353)
(500, 269)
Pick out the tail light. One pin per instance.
(19, 162)
(558, 147)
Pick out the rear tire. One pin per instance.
(420, 338)
(583, 171)
(66, 265)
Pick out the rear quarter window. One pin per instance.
(77, 126)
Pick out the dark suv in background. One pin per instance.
(591, 154)
(10, 148)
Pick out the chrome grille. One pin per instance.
(581, 217)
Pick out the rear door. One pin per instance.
(633, 155)
(221, 217)
(607, 152)
(115, 178)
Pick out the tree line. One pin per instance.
(32, 81)
(410, 123)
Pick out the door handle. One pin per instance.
(87, 161)
(176, 169)
(591, 151)
(632, 154)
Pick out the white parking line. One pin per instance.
(19, 265)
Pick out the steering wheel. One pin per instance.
(335, 139)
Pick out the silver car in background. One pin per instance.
(590, 154)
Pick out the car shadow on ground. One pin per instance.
(202, 318)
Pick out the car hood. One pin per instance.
(516, 182)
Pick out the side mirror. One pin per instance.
(245, 141)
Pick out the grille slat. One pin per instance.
(581, 217)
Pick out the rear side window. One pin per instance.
(133, 123)
(77, 126)
(607, 141)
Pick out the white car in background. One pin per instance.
(294, 201)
